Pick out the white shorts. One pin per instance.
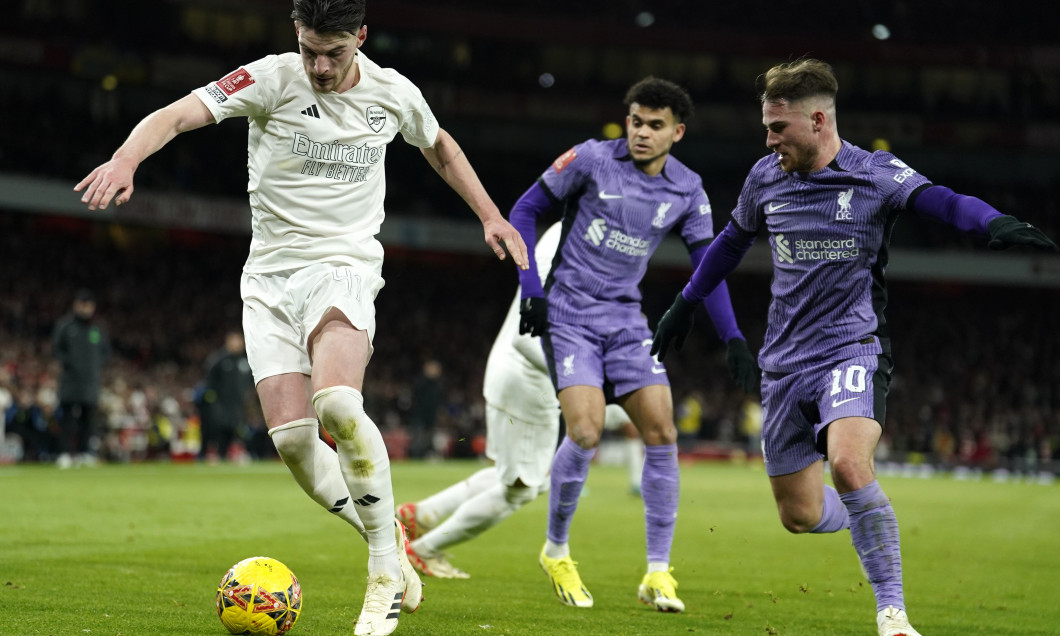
(522, 450)
(281, 309)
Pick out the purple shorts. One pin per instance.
(615, 359)
(799, 406)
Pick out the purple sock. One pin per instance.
(570, 467)
(834, 516)
(874, 530)
(659, 487)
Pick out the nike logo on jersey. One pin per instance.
(605, 195)
(311, 111)
(773, 207)
(836, 403)
(657, 370)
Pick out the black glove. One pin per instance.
(673, 326)
(1006, 231)
(533, 316)
(742, 366)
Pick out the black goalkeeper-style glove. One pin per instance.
(742, 366)
(1006, 231)
(533, 316)
(673, 327)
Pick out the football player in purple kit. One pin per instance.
(828, 207)
(618, 200)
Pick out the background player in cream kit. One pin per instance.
(319, 121)
(522, 429)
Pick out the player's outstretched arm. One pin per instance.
(1008, 231)
(533, 306)
(449, 161)
(114, 179)
(971, 214)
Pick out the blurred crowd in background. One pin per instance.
(965, 93)
(976, 382)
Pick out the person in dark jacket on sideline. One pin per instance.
(227, 387)
(82, 347)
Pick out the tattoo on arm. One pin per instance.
(440, 167)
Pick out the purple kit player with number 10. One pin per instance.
(618, 200)
(828, 207)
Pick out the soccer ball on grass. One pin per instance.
(259, 596)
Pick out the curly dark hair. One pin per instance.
(798, 80)
(656, 93)
(330, 16)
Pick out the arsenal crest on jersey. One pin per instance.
(376, 117)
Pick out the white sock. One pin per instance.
(441, 504)
(470, 519)
(556, 550)
(365, 466)
(316, 468)
(634, 460)
(658, 566)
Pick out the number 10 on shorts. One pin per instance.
(852, 379)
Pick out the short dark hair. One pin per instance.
(656, 93)
(794, 81)
(330, 16)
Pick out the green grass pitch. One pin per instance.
(139, 549)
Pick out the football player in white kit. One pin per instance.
(319, 123)
(522, 429)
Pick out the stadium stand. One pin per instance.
(975, 384)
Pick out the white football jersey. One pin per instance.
(315, 160)
(516, 379)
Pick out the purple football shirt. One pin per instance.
(614, 218)
(828, 232)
